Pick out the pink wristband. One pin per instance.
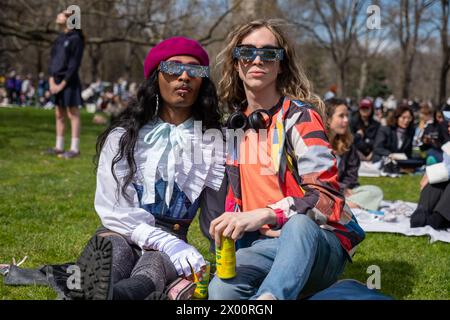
(280, 218)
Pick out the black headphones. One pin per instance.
(258, 119)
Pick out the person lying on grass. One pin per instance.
(146, 198)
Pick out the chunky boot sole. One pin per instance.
(95, 265)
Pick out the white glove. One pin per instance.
(180, 253)
(183, 256)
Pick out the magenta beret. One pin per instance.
(175, 46)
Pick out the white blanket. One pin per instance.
(394, 217)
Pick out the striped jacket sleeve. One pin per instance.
(320, 197)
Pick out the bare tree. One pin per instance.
(409, 19)
(370, 43)
(335, 26)
(445, 47)
(255, 9)
(117, 31)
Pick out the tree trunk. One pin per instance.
(364, 68)
(94, 55)
(39, 61)
(362, 79)
(443, 80)
(342, 89)
(407, 77)
(128, 60)
(445, 63)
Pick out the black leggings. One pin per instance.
(136, 275)
(434, 207)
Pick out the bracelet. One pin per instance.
(280, 218)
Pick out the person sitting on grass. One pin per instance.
(364, 128)
(394, 144)
(397, 136)
(435, 135)
(367, 197)
(433, 208)
(425, 120)
(146, 198)
(283, 207)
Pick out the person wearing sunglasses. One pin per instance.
(285, 211)
(146, 198)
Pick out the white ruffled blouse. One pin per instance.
(179, 155)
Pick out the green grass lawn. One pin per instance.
(47, 213)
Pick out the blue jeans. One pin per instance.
(304, 259)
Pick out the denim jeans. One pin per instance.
(303, 260)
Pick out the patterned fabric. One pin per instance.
(259, 179)
(307, 171)
(180, 207)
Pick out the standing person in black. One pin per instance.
(11, 87)
(397, 136)
(364, 129)
(65, 85)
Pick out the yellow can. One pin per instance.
(201, 291)
(226, 259)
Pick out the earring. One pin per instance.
(157, 106)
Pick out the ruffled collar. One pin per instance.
(181, 155)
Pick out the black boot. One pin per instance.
(95, 265)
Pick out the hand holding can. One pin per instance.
(226, 258)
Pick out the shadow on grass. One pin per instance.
(397, 277)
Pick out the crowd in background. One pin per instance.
(382, 128)
(407, 131)
(390, 145)
(99, 96)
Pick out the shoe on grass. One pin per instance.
(69, 154)
(53, 151)
(95, 263)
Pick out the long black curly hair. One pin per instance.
(140, 110)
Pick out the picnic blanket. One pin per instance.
(394, 217)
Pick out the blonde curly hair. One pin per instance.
(291, 82)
